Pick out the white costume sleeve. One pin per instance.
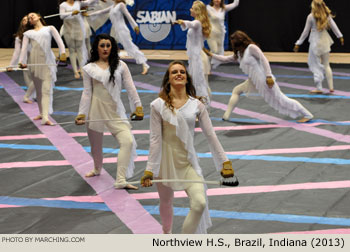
(155, 144)
(231, 6)
(126, 13)
(130, 87)
(16, 52)
(100, 12)
(223, 58)
(334, 27)
(88, 2)
(64, 14)
(256, 52)
(306, 31)
(23, 55)
(195, 24)
(215, 147)
(85, 100)
(58, 39)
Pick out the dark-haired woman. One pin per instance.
(260, 79)
(172, 154)
(42, 61)
(15, 57)
(103, 77)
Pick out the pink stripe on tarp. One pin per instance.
(325, 231)
(89, 199)
(297, 126)
(290, 150)
(29, 164)
(305, 69)
(282, 84)
(8, 206)
(255, 189)
(120, 202)
(224, 191)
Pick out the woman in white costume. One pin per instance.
(260, 79)
(217, 10)
(15, 57)
(74, 32)
(117, 12)
(104, 78)
(42, 61)
(172, 154)
(318, 21)
(198, 30)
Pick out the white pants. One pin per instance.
(195, 193)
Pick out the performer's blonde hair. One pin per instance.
(321, 12)
(202, 16)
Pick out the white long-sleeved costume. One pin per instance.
(172, 154)
(44, 77)
(101, 100)
(117, 12)
(217, 35)
(74, 31)
(30, 93)
(194, 45)
(320, 45)
(256, 66)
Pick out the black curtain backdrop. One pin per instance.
(277, 24)
(274, 24)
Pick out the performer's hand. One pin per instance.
(9, 69)
(269, 81)
(80, 119)
(76, 12)
(207, 52)
(179, 21)
(63, 57)
(84, 13)
(137, 115)
(137, 30)
(146, 180)
(20, 65)
(227, 170)
(296, 48)
(341, 41)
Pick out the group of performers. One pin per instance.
(183, 99)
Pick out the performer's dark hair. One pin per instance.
(113, 58)
(239, 42)
(222, 3)
(21, 29)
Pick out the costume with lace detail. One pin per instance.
(101, 101)
(217, 35)
(320, 45)
(256, 66)
(172, 154)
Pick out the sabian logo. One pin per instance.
(155, 25)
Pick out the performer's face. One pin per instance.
(24, 20)
(193, 13)
(33, 18)
(177, 75)
(216, 2)
(104, 48)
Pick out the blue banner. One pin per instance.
(155, 18)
